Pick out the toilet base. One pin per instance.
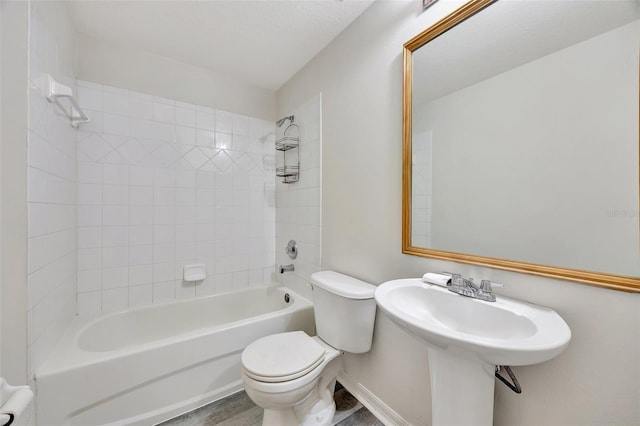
(313, 411)
(288, 417)
(323, 417)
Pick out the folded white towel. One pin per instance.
(439, 279)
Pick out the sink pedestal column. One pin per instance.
(461, 390)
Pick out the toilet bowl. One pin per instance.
(292, 375)
(303, 397)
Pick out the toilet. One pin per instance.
(292, 375)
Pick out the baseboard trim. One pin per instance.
(378, 408)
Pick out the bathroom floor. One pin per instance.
(239, 410)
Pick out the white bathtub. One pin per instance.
(149, 364)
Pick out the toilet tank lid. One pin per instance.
(343, 285)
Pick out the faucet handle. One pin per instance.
(457, 280)
(487, 286)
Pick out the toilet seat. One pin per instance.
(282, 357)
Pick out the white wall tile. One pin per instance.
(115, 277)
(240, 126)
(163, 291)
(155, 193)
(165, 252)
(185, 252)
(141, 176)
(140, 295)
(89, 280)
(115, 124)
(89, 172)
(164, 234)
(141, 215)
(205, 119)
(298, 215)
(117, 195)
(115, 174)
(205, 138)
(185, 135)
(140, 195)
(205, 287)
(140, 274)
(185, 178)
(185, 290)
(89, 237)
(90, 302)
(224, 123)
(186, 116)
(115, 103)
(90, 97)
(164, 131)
(52, 193)
(223, 141)
(95, 125)
(115, 299)
(223, 282)
(164, 113)
(164, 177)
(140, 107)
(115, 236)
(115, 215)
(164, 215)
(115, 257)
(140, 128)
(140, 255)
(89, 259)
(140, 234)
(89, 215)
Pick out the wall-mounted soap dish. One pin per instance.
(62, 96)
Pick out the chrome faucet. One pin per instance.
(466, 287)
(287, 268)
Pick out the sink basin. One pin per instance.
(467, 338)
(504, 332)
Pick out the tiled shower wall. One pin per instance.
(299, 204)
(421, 189)
(163, 184)
(51, 192)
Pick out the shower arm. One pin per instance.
(280, 122)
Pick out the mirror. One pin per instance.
(520, 139)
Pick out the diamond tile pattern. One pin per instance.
(163, 184)
(196, 158)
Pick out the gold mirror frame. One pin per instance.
(610, 281)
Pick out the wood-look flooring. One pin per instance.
(239, 410)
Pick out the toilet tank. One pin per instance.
(344, 310)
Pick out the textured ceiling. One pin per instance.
(263, 43)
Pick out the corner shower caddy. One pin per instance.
(289, 168)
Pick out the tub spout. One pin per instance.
(287, 268)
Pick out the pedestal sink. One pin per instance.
(467, 338)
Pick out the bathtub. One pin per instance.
(149, 364)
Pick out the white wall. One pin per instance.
(552, 184)
(147, 73)
(13, 193)
(298, 213)
(51, 175)
(163, 184)
(595, 381)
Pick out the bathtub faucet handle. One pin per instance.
(287, 268)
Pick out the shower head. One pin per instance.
(280, 122)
